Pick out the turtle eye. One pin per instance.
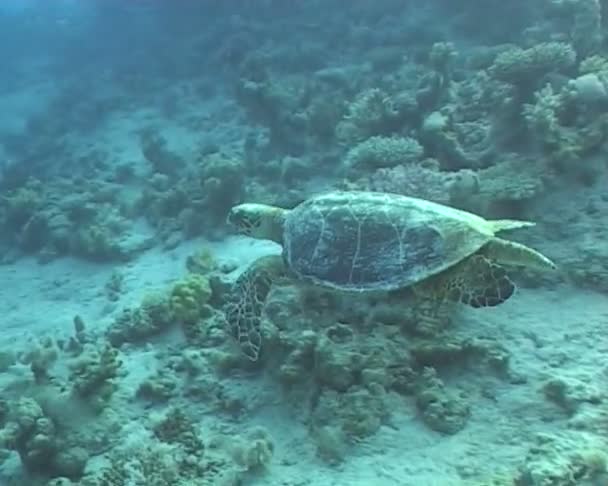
(243, 220)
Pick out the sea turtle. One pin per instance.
(375, 242)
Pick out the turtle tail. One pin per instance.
(508, 224)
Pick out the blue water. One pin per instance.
(247, 243)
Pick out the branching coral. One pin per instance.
(434, 87)
(594, 64)
(376, 152)
(40, 357)
(93, 374)
(371, 113)
(523, 66)
(568, 130)
(423, 180)
(497, 189)
(446, 140)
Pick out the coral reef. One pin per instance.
(177, 455)
(198, 200)
(42, 448)
(379, 152)
(155, 151)
(93, 375)
(568, 128)
(52, 220)
(128, 163)
(371, 113)
(440, 410)
(423, 180)
(358, 413)
(40, 357)
(152, 317)
(563, 460)
(524, 67)
(189, 297)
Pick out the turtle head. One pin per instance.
(258, 221)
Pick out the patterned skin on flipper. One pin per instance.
(245, 304)
(478, 282)
(244, 310)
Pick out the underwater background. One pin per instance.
(128, 131)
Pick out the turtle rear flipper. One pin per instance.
(513, 253)
(476, 282)
(245, 304)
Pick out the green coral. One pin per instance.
(189, 298)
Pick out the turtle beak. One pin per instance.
(237, 218)
(231, 217)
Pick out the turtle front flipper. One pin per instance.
(476, 282)
(245, 304)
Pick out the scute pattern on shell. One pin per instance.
(370, 241)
